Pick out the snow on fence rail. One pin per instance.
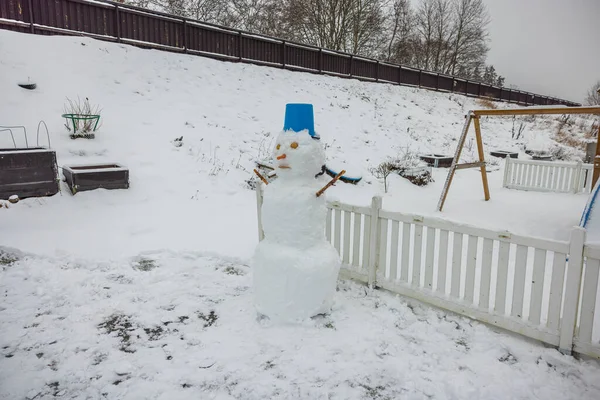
(548, 176)
(542, 289)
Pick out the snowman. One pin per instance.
(295, 268)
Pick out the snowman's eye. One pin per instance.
(294, 145)
(278, 147)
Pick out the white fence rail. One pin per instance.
(543, 289)
(548, 176)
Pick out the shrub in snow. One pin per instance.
(408, 165)
(82, 119)
(382, 171)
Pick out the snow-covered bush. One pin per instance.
(408, 165)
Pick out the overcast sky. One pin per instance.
(549, 47)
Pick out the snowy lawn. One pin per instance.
(82, 316)
(170, 325)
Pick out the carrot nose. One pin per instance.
(281, 157)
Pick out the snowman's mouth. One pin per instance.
(284, 166)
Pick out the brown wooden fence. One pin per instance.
(106, 20)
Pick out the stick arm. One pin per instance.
(331, 182)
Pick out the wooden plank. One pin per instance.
(556, 290)
(555, 174)
(429, 253)
(383, 246)
(459, 147)
(366, 241)
(470, 165)
(460, 307)
(486, 189)
(519, 282)
(537, 286)
(592, 251)
(546, 244)
(503, 254)
(523, 174)
(337, 230)
(471, 262)
(592, 350)
(356, 239)
(442, 261)
(486, 273)
(336, 205)
(572, 289)
(394, 249)
(405, 252)
(530, 172)
(539, 111)
(545, 177)
(346, 234)
(588, 300)
(374, 244)
(456, 265)
(417, 254)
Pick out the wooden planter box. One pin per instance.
(96, 176)
(437, 160)
(504, 154)
(28, 172)
(541, 157)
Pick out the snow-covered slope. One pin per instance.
(228, 114)
(145, 292)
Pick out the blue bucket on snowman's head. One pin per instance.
(299, 116)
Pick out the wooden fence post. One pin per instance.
(572, 290)
(320, 60)
(507, 167)
(259, 203)
(576, 178)
(31, 16)
(374, 245)
(185, 46)
(118, 23)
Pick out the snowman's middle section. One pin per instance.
(293, 215)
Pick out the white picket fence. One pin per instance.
(548, 176)
(526, 285)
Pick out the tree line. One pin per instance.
(445, 36)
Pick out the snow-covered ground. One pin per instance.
(84, 316)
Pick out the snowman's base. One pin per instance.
(293, 285)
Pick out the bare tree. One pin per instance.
(400, 26)
(344, 25)
(469, 35)
(593, 95)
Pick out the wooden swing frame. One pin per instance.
(474, 115)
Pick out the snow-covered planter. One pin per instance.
(28, 172)
(504, 154)
(82, 120)
(438, 160)
(96, 176)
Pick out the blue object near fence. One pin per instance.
(299, 116)
(589, 206)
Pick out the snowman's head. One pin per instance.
(298, 155)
